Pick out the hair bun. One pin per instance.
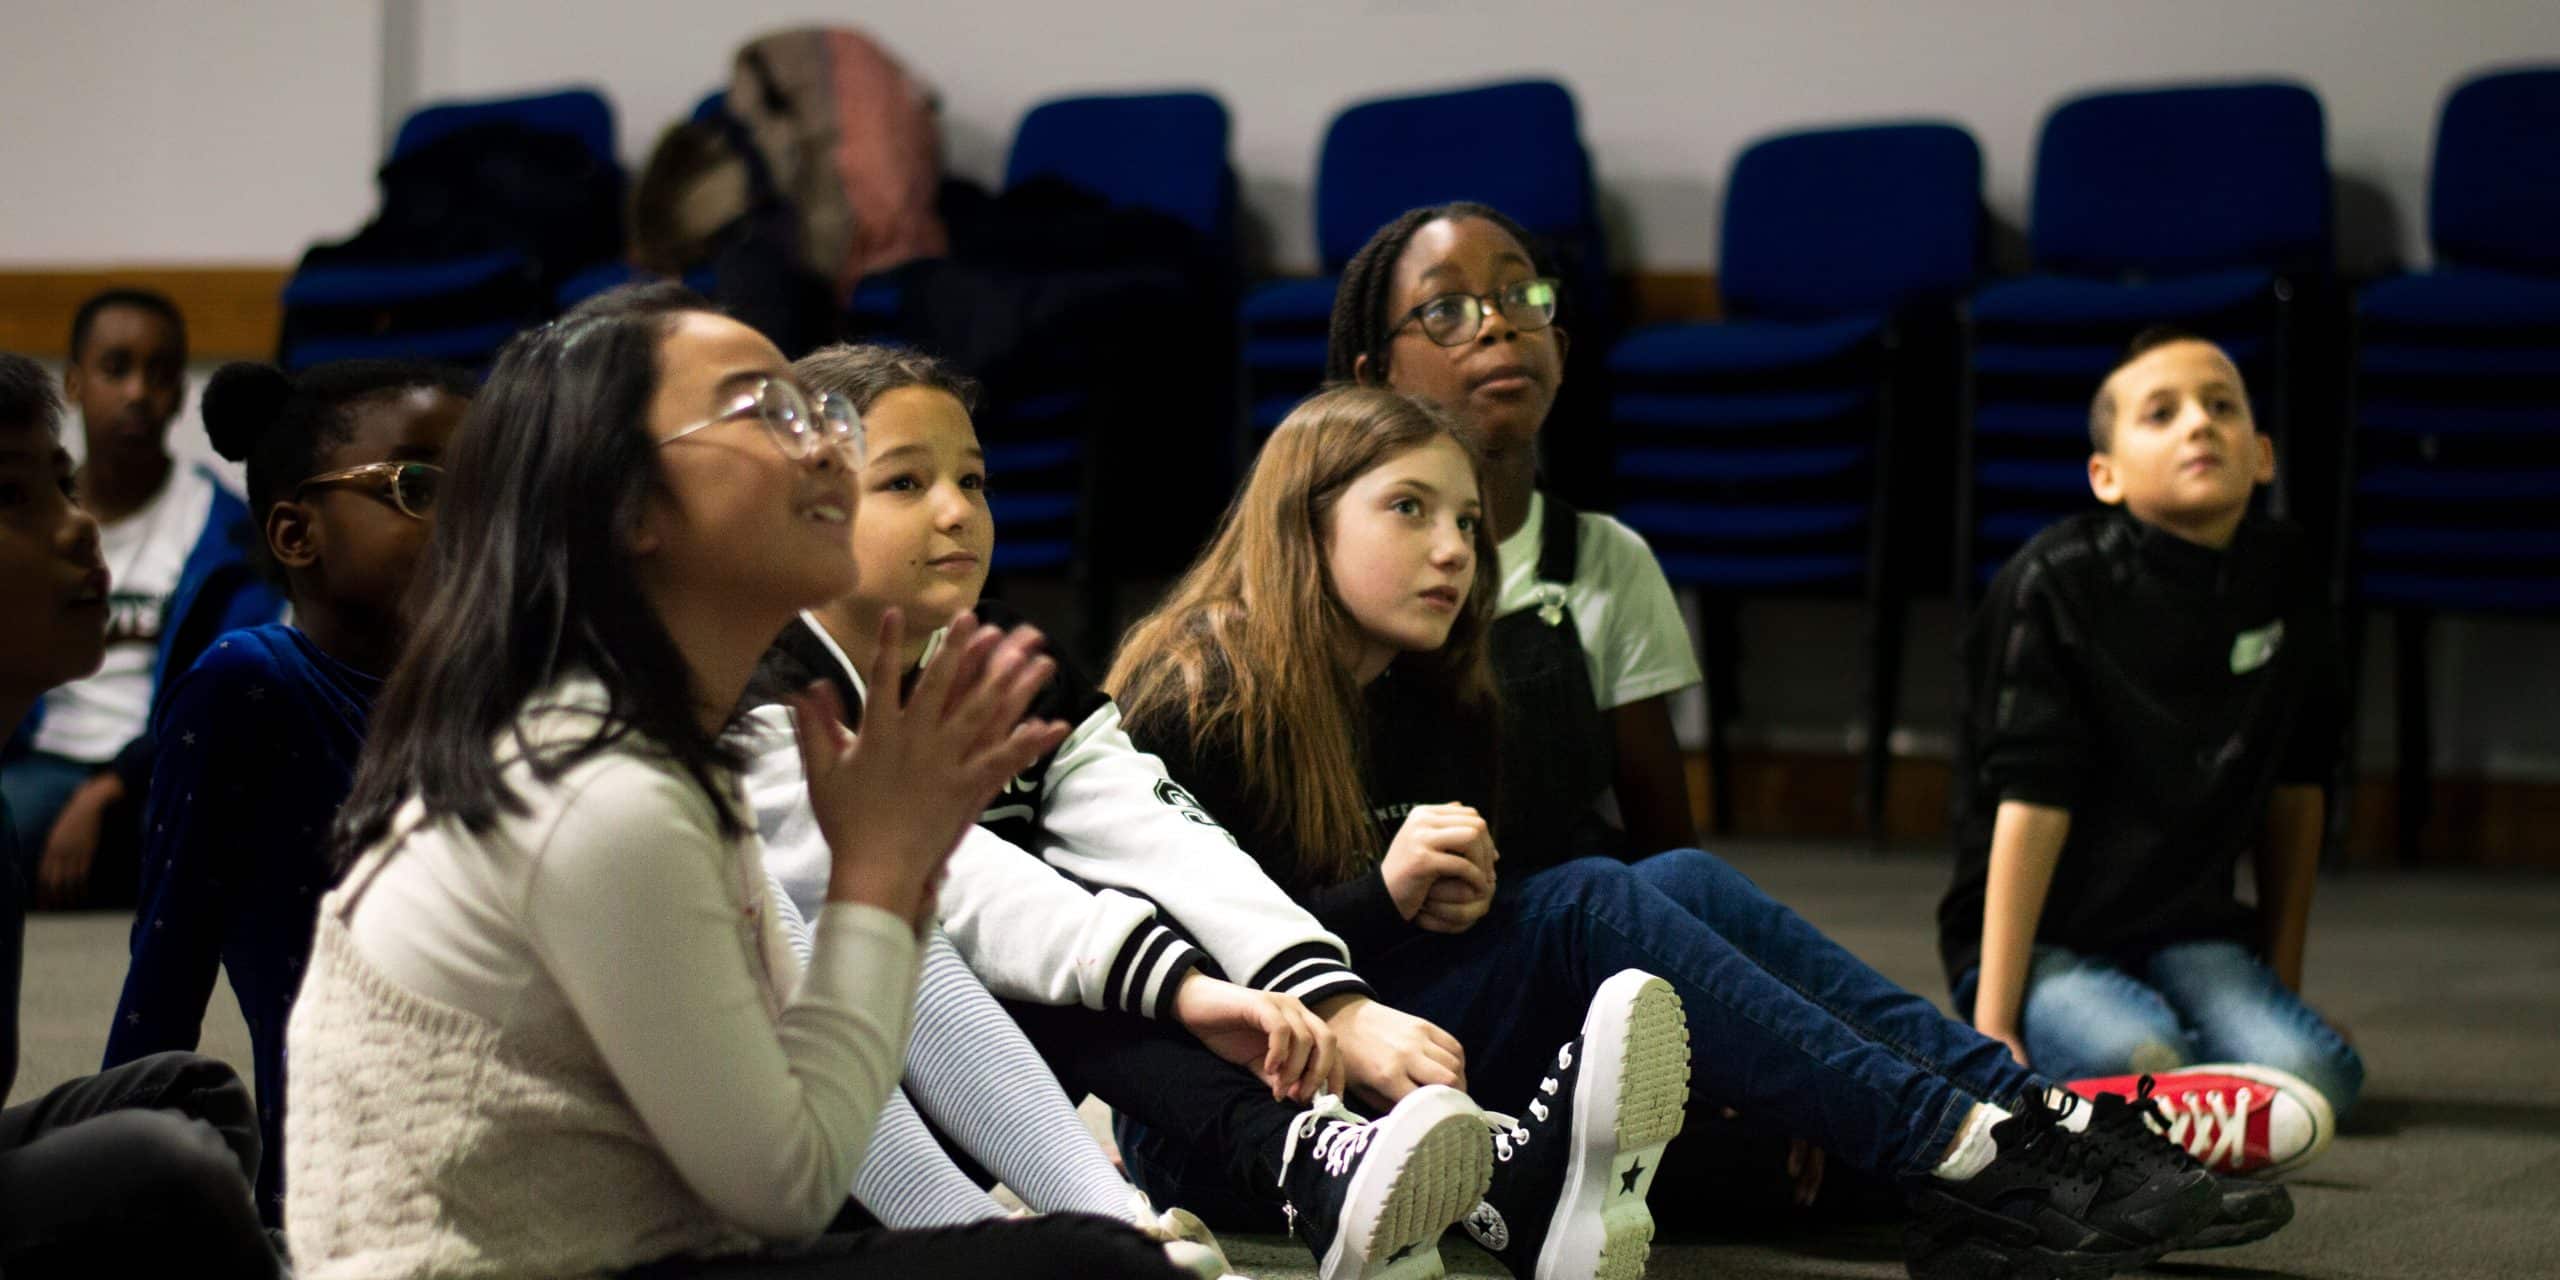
(241, 402)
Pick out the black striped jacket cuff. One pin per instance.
(1311, 971)
(1148, 970)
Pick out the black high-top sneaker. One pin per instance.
(2052, 1205)
(1571, 1171)
(2135, 1130)
(1371, 1197)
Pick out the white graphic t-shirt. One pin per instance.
(146, 552)
(1633, 638)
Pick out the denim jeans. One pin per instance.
(2190, 1002)
(34, 787)
(1785, 1025)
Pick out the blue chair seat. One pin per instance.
(876, 299)
(2461, 595)
(1739, 464)
(1697, 350)
(1675, 520)
(1268, 411)
(2415, 418)
(2013, 527)
(1029, 508)
(1285, 353)
(1760, 572)
(1032, 555)
(2032, 420)
(2415, 360)
(2086, 360)
(470, 344)
(2446, 484)
(1290, 302)
(392, 283)
(2036, 300)
(1016, 457)
(1710, 410)
(2463, 299)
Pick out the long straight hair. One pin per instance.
(528, 577)
(1247, 649)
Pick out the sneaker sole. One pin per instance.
(1427, 1167)
(1630, 1103)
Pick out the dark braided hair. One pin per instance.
(27, 398)
(1360, 321)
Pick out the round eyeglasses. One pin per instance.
(410, 486)
(800, 426)
(1451, 319)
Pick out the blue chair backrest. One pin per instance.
(1838, 221)
(580, 113)
(2494, 199)
(2164, 181)
(1161, 151)
(1516, 147)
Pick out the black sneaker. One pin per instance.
(1371, 1197)
(2052, 1205)
(2134, 1131)
(1571, 1172)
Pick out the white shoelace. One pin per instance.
(1340, 1136)
(2213, 1128)
(1508, 1133)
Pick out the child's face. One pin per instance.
(51, 570)
(351, 543)
(2184, 453)
(127, 383)
(923, 536)
(740, 523)
(1401, 548)
(1500, 383)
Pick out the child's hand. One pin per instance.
(1274, 1036)
(893, 801)
(1388, 1053)
(1433, 845)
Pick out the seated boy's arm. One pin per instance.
(2288, 861)
(1653, 781)
(2026, 841)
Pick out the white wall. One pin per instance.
(159, 131)
(1670, 91)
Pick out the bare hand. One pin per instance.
(1276, 1037)
(2017, 1043)
(1388, 1053)
(62, 878)
(1432, 845)
(893, 800)
(1804, 1171)
(1453, 905)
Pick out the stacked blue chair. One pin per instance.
(1515, 146)
(2455, 482)
(1757, 454)
(2204, 207)
(458, 308)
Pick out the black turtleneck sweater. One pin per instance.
(2159, 691)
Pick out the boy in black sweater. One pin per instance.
(2152, 689)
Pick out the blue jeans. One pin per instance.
(1784, 1025)
(34, 787)
(2191, 1002)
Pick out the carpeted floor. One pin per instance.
(2450, 984)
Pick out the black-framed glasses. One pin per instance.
(1451, 319)
(798, 424)
(411, 486)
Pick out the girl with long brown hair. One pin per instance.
(1319, 680)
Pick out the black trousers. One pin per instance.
(141, 1170)
(1161, 1077)
(1056, 1247)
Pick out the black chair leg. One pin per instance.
(1720, 640)
(1884, 698)
(2416, 733)
(2342, 786)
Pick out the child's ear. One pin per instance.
(2103, 480)
(1564, 347)
(1368, 372)
(293, 535)
(2265, 470)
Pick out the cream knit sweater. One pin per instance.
(578, 1042)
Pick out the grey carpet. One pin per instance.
(2450, 984)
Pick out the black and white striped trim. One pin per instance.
(1311, 971)
(1150, 966)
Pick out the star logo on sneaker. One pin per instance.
(1486, 1225)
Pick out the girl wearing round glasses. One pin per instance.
(259, 738)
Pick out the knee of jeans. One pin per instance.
(168, 1160)
(2069, 1040)
(2327, 1064)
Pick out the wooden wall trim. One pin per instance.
(232, 311)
